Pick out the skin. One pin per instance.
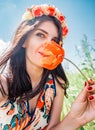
(47, 31)
(82, 110)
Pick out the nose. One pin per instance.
(49, 39)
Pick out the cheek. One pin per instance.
(30, 48)
(33, 46)
(32, 53)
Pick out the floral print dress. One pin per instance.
(14, 116)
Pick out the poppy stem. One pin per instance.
(76, 68)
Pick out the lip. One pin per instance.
(44, 55)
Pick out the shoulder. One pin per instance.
(57, 105)
(59, 89)
(3, 87)
(56, 84)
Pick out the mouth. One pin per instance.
(43, 54)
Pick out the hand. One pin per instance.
(83, 108)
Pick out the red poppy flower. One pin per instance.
(52, 55)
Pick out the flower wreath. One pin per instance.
(39, 10)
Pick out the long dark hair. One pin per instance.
(18, 80)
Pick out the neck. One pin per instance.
(35, 73)
(35, 77)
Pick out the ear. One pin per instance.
(24, 45)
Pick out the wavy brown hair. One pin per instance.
(18, 80)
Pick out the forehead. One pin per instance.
(49, 27)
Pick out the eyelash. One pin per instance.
(40, 35)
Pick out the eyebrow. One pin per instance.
(45, 32)
(42, 30)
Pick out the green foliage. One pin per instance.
(76, 84)
(86, 53)
(76, 80)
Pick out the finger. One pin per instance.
(83, 95)
(90, 84)
(86, 92)
(91, 81)
(91, 99)
(91, 88)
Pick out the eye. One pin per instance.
(40, 35)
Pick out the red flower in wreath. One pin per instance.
(61, 18)
(37, 11)
(51, 10)
(65, 30)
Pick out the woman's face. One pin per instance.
(46, 32)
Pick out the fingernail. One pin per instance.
(90, 79)
(85, 83)
(91, 97)
(89, 88)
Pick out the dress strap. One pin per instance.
(51, 84)
(54, 85)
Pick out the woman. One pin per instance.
(33, 88)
